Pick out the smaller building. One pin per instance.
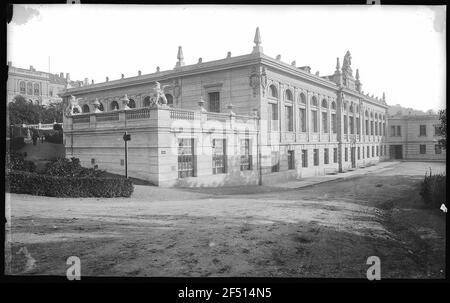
(37, 86)
(415, 137)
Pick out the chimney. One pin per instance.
(68, 76)
(139, 73)
(107, 79)
(61, 75)
(86, 81)
(92, 82)
(122, 76)
(32, 68)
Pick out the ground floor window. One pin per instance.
(359, 153)
(291, 159)
(185, 158)
(377, 151)
(368, 152)
(373, 151)
(304, 158)
(275, 161)
(335, 155)
(219, 156)
(326, 159)
(346, 154)
(385, 150)
(316, 157)
(423, 149)
(437, 149)
(246, 157)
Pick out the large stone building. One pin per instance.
(415, 137)
(36, 86)
(239, 120)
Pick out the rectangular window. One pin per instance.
(326, 159)
(399, 131)
(346, 154)
(335, 155)
(304, 158)
(376, 128)
(352, 125)
(377, 151)
(316, 157)
(367, 127)
(315, 125)
(385, 150)
(384, 129)
(325, 122)
(345, 125)
(423, 149)
(92, 160)
(274, 115)
(437, 149)
(275, 161)
(289, 120)
(333, 123)
(358, 127)
(291, 159)
(437, 130)
(371, 128)
(214, 102)
(368, 152)
(185, 158)
(392, 131)
(373, 151)
(359, 153)
(363, 153)
(219, 156)
(302, 120)
(246, 157)
(423, 130)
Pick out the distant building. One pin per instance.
(414, 137)
(39, 87)
(199, 127)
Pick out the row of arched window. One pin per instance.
(324, 104)
(29, 88)
(114, 105)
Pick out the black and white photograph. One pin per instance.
(226, 141)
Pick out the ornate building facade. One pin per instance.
(36, 86)
(240, 120)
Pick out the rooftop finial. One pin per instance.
(257, 48)
(357, 74)
(180, 58)
(338, 65)
(384, 97)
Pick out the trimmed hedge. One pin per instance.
(63, 167)
(433, 190)
(53, 186)
(16, 161)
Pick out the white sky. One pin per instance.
(398, 49)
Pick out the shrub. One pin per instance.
(54, 136)
(57, 127)
(64, 167)
(16, 161)
(54, 186)
(433, 190)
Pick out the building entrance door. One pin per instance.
(352, 155)
(396, 151)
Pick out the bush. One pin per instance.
(64, 167)
(54, 136)
(57, 127)
(433, 190)
(16, 161)
(54, 186)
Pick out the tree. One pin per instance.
(22, 111)
(443, 128)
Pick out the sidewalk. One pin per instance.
(339, 176)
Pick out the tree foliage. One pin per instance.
(22, 111)
(443, 128)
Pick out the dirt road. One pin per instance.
(326, 230)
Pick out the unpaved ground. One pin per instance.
(326, 230)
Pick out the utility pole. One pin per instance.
(126, 138)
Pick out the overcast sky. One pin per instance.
(398, 49)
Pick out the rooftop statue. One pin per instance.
(346, 69)
(158, 96)
(73, 108)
